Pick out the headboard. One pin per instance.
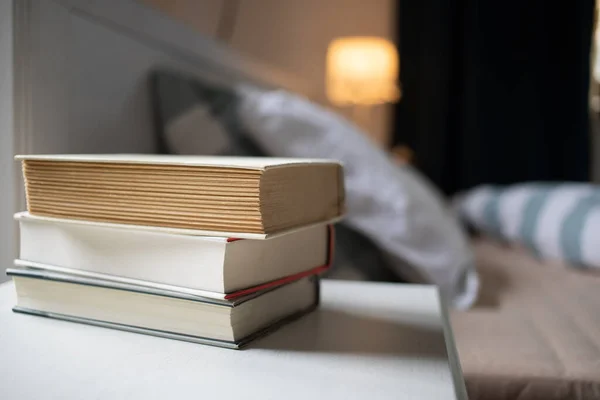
(80, 81)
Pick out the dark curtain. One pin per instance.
(495, 92)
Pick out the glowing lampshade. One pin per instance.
(362, 70)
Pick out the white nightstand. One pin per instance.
(367, 341)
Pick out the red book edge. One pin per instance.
(290, 278)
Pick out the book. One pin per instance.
(214, 264)
(228, 195)
(170, 314)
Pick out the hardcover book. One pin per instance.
(166, 313)
(204, 263)
(230, 195)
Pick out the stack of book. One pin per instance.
(215, 250)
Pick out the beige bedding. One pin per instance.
(535, 332)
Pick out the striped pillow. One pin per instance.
(556, 221)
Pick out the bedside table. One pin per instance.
(366, 341)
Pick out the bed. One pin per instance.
(534, 332)
(80, 86)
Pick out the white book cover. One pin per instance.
(204, 263)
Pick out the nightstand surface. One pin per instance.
(366, 341)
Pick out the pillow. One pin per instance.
(559, 221)
(393, 206)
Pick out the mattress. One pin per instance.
(535, 331)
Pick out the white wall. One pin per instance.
(7, 170)
(294, 34)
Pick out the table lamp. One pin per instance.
(362, 71)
